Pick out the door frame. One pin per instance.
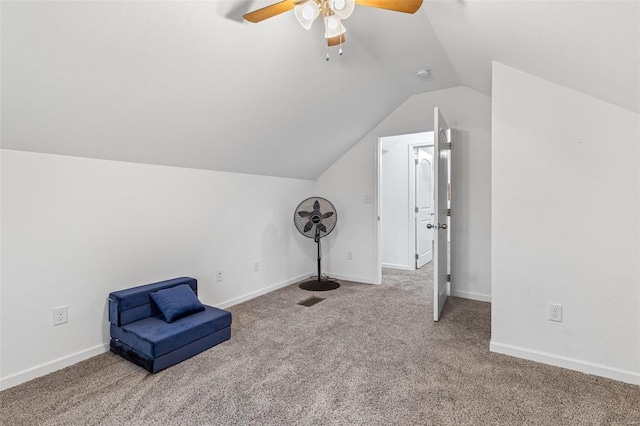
(378, 162)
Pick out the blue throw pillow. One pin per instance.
(177, 302)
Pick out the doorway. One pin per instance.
(406, 200)
(391, 199)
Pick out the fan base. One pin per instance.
(321, 285)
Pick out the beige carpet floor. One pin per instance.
(367, 355)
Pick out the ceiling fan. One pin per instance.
(333, 13)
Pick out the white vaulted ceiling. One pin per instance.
(190, 84)
(589, 46)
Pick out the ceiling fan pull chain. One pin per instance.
(340, 39)
(327, 58)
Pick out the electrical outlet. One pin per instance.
(256, 266)
(219, 275)
(555, 312)
(60, 315)
(349, 255)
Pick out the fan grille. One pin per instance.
(315, 213)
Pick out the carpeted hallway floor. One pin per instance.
(367, 355)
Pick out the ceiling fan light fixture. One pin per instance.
(342, 8)
(333, 13)
(333, 26)
(306, 13)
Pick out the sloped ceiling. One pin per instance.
(589, 46)
(190, 84)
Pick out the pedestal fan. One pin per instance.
(315, 218)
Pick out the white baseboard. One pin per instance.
(352, 278)
(471, 295)
(60, 363)
(565, 362)
(51, 366)
(395, 266)
(254, 294)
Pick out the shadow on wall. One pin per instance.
(460, 213)
(106, 330)
(235, 12)
(271, 264)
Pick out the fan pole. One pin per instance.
(317, 238)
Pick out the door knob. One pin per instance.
(443, 226)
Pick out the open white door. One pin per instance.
(441, 162)
(424, 206)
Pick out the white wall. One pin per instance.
(75, 229)
(354, 175)
(1, 157)
(397, 199)
(565, 219)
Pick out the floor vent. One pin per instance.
(311, 301)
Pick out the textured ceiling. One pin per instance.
(190, 84)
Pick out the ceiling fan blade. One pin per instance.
(406, 6)
(269, 11)
(308, 227)
(334, 41)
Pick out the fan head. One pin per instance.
(315, 215)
